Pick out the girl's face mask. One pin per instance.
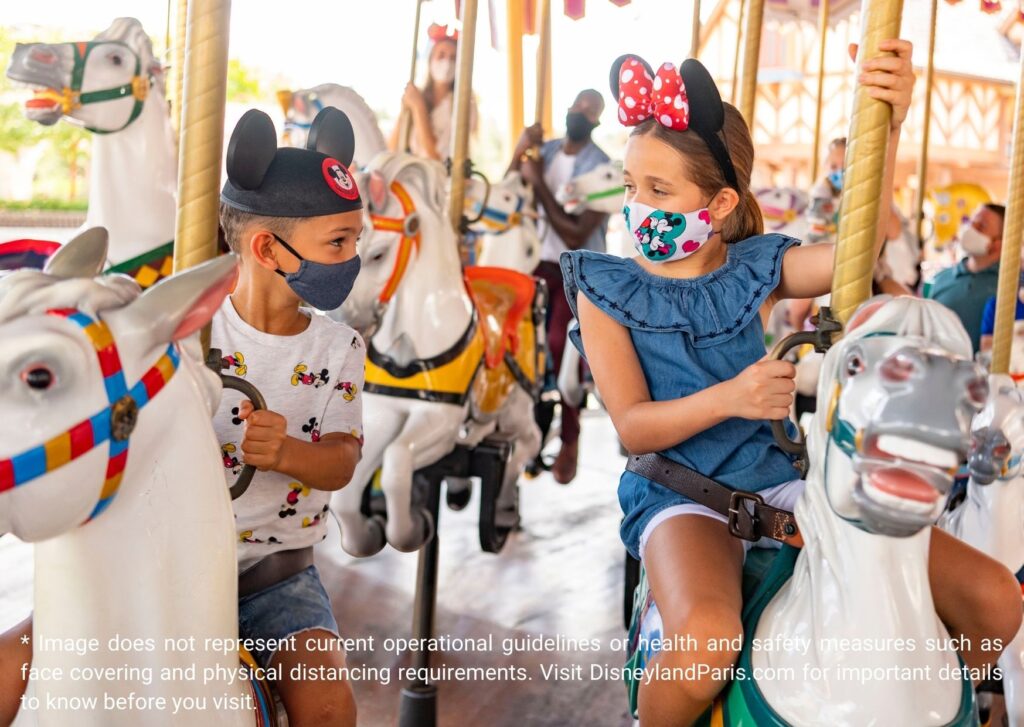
(662, 236)
(835, 178)
(442, 70)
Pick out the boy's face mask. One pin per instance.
(662, 236)
(835, 178)
(321, 285)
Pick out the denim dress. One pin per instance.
(689, 335)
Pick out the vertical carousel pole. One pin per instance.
(695, 30)
(202, 134)
(460, 130)
(405, 121)
(542, 110)
(1013, 232)
(751, 55)
(739, 52)
(865, 165)
(823, 11)
(514, 36)
(926, 122)
(178, 68)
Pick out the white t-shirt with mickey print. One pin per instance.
(315, 381)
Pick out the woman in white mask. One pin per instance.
(431, 106)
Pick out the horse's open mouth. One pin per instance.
(905, 473)
(45, 106)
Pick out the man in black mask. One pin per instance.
(561, 160)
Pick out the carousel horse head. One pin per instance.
(997, 433)
(83, 355)
(100, 84)
(405, 200)
(600, 190)
(301, 107)
(901, 391)
(499, 207)
(781, 207)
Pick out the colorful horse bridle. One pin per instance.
(408, 226)
(71, 97)
(114, 423)
(499, 222)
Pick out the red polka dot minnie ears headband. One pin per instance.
(680, 100)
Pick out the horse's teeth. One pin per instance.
(916, 451)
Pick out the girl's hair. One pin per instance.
(701, 168)
(428, 87)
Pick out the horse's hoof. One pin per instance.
(370, 542)
(419, 534)
(458, 496)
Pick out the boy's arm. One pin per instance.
(326, 464)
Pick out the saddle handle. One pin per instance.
(821, 338)
(214, 362)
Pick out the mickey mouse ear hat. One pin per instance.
(682, 100)
(286, 182)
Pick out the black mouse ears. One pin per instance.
(251, 149)
(253, 144)
(332, 134)
(613, 76)
(704, 97)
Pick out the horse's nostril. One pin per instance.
(977, 391)
(897, 368)
(42, 55)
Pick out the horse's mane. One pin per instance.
(392, 164)
(31, 292)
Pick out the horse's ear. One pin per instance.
(378, 191)
(332, 134)
(868, 309)
(84, 256)
(180, 305)
(251, 149)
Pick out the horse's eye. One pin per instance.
(116, 59)
(38, 376)
(854, 364)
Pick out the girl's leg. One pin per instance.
(313, 703)
(695, 571)
(13, 654)
(975, 596)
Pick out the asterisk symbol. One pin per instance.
(24, 639)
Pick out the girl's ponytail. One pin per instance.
(745, 221)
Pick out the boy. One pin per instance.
(293, 216)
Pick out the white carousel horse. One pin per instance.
(991, 517)
(600, 190)
(431, 381)
(901, 388)
(113, 86)
(302, 106)
(134, 535)
(783, 209)
(508, 233)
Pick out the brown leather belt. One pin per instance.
(748, 523)
(273, 569)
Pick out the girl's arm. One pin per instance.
(807, 271)
(762, 391)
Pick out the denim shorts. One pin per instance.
(647, 504)
(296, 604)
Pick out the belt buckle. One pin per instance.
(735, 505)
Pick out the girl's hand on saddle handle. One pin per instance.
(265, 435)
(412, 99)
(763, 390)
(889, 78)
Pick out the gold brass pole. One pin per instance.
(178, 68)
(865, 166)
(1013, 231)
(695, 30)
(202, 134)
(926, 122)
(823, 11)
(405, 121)
(514, 36)
(543, 63)
(739, 52)
(463, 94)
(751, 54)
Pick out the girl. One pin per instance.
(432, 106)
(674, 338)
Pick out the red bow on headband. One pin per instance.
(663, 97)
(440, 32)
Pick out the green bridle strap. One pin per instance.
(613, 192)
(138, 87)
